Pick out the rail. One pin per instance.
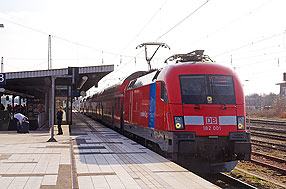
(264, 121)
(269, 145)
(225, 181)
(273, 167)
(270, 136)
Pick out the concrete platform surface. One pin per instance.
(91, 156)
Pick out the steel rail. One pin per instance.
(277, 159)
(238, 182)
(267, 130)
(270, 136)
(270, 147)
(271, 122)
(225, 181)
(270, 143)
(273, 167)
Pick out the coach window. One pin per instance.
(164, 95)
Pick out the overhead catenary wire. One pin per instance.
(99, 50)
(130, 58)
(250, 52)
(145, 26)
(274, 71)
(176, 25)
(61, 38)
(249, 44)
(66, 40)
(42, 63)
(140, 31)
(259, 62)
(254, 56)
(30, 59)
(24, 26)
(181, 21)
(259, 49)
(248, 13)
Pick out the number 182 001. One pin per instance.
(211, 128)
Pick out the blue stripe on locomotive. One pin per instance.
(152, 102)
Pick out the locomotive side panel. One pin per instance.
(163, 120)
(141, 106)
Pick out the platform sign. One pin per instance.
(2, 79)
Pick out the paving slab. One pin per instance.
(29, 161)
(91, 156)
(106, 159)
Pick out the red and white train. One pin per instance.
(192, 111)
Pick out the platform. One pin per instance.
(91, 156)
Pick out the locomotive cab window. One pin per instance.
(207, 89)
(131, 84)
(164, 95)
(222, 88)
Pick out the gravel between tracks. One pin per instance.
(260, 171)
(250, 172)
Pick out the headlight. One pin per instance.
(179, 123)
(240, 123)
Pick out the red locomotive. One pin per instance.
(192, 111)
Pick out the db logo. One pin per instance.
(211, 120)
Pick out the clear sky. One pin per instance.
(246, 35)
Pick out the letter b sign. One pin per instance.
(2, 79)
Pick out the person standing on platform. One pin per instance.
(60, 119)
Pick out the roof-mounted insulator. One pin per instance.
(194, 56)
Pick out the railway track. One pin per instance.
(279, 131)
(269, 145)
(273, 158)
(267, 135)
(268, 129)
(269, 122)
(225, 181)
(274, 184)
(268, 165)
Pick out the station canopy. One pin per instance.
(34, 84)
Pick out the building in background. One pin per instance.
(283, 86)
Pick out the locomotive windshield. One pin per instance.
(207, 89)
